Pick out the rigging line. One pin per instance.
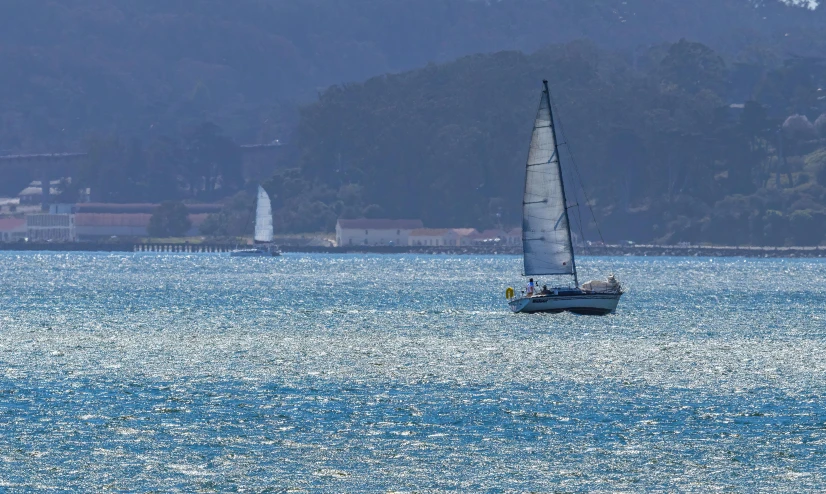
(579, 177)
(578, 211)
(564, 142)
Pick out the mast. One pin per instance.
(547, 248)
(561, 181)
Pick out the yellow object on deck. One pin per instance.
(509, 293)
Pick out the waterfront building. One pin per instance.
(433, 237)
(375, 231)
(12, 229)
(498, 236)
(455, 237)
(46, 227)
(96, 220)
(91, 226)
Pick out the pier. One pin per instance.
(168, 248)
(183, 248)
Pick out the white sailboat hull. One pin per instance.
(255, 253)
(580, 303)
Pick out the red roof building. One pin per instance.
(380, 224)
(12, 229)
(90, 225)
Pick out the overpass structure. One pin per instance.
(18, 170)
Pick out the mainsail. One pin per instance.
(263, 217)
(546, 234)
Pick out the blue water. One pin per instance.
(145, 372)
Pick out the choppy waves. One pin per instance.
(376, 373)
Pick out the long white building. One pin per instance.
(375, 231)
(443, 237)
(51, 227)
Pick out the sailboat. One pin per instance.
(547, 249)
(263, 230)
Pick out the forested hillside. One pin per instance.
(154, 67)
(677, 145)
(719, 138)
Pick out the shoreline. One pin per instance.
(608, 250)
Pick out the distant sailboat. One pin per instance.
(263, 230)
(546, 232)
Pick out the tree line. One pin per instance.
(152, 67)
(678, 143)
(675, 140)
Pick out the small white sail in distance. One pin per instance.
(263, 217)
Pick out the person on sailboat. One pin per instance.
(530, 288)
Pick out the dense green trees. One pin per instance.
(717, 139)
(236, 218)
(664, 150)
(149, 68)
(170, 219)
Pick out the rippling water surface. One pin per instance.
(375, 373)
